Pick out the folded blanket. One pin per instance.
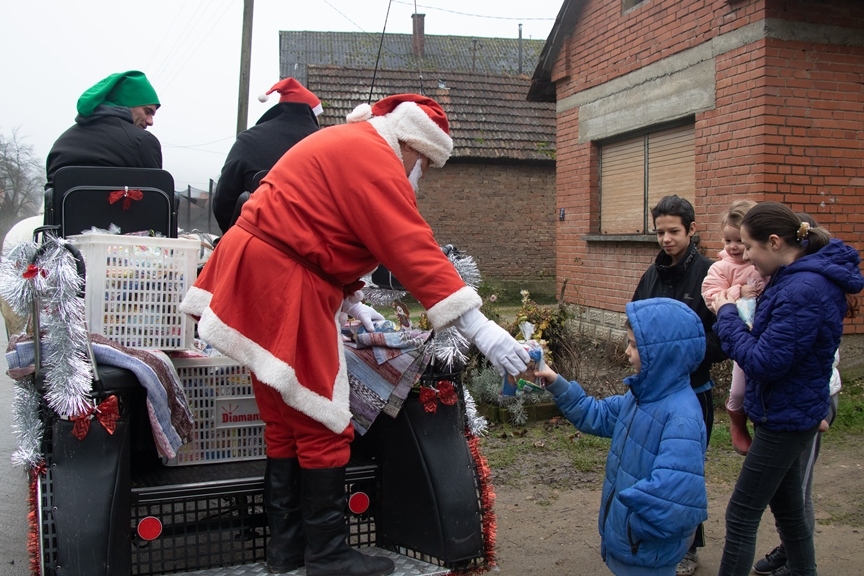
(382, 369)
(170, 416)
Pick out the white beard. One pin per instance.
(415, 175)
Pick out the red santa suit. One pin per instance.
(341, 201)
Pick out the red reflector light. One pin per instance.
(149, 528)
(358, 503)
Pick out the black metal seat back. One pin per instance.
(134, 199)
(244, 197)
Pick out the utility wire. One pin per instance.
(182, 49)
(200, 42)
(178, 40)
(165, 35)
(468, 14)
(378, 58)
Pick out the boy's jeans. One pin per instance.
(772, 474)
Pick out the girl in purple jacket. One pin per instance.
(787, 358)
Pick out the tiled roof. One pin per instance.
(489, 115)
(359, 49)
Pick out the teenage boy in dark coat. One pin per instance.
(259, 147)
(677, 273)
(111, 127)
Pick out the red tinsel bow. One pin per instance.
(446, 393)
(126, 195)
(107, 413)
(32, 270)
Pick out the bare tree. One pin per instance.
(22, 178)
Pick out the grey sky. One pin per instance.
(53, 50)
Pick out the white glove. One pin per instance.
(499, 347)
(366, 314)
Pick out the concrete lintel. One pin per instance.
(813, 33)
(660, 99)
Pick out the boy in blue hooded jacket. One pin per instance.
(654, 490)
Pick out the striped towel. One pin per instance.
(170, 417)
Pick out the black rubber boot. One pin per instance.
(282, 503)
(327, 552)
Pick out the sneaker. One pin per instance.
(771, 562)
(687, 566)
(782, 571)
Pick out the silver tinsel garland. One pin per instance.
(28, 426)
(50, 274)
(68, 375)
(14, 288)
(477, 424)
(449, 347)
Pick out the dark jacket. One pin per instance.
(654, 490)
(788, 355)
(683, 282)
(105, 138)
(257, 149)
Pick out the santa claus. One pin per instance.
(337, 204)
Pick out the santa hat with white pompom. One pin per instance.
(290, 90)
(416, 120)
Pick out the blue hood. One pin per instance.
(837, 262)
(671, 343)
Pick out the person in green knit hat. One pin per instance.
(111, 127)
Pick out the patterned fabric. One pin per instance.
(382, 369)
(170, 416)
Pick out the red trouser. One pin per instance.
(288, 433)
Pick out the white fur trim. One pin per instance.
(384, 128)
(446, 311)
(415, 128)
(335, 414)
(361, 113)
(195, 302)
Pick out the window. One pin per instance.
(637, 172)
(627, 4)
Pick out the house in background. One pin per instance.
(713, 100)
(495, 197)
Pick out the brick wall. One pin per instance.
(786, 124)
(502, 215)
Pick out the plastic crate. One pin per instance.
(227, 426)
(134, 287)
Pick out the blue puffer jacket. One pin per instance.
(787, 356)
(654, 491)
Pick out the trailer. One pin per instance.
(106, 503)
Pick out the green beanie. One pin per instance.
(122, 89)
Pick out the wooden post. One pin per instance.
(245, 60)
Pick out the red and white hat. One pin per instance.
(290, 90)
(416, 120)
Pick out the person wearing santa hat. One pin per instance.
(111, 127)
(337, 204)
(259, 147)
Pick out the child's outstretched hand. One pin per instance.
(546, 373)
